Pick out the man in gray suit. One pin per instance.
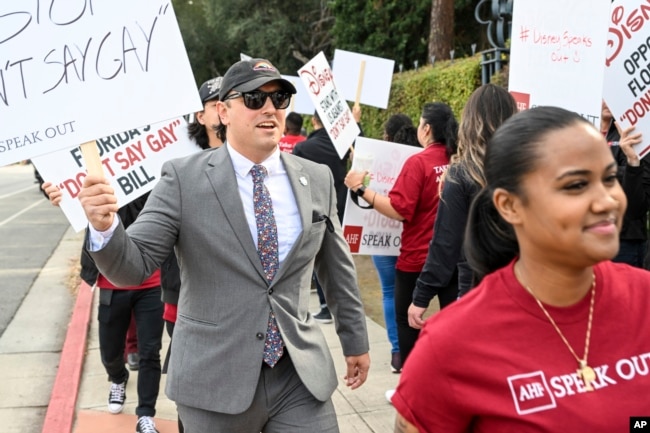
(241, 301)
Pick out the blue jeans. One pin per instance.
(114, 315)
(385, 266)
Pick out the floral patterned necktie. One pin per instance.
(267, 248)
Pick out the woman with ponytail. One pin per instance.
(414, 201)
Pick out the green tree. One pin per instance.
(392, 29)
(215, 32)
(207, 51)
(287, 33)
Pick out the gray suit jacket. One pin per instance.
(225, 299)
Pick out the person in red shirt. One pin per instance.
(414, 201)
(537, 345)
(117, 306)
(292, 132)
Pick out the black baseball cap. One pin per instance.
(248, 75)
(210, 89)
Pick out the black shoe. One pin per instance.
(396, 362)
(133, 361)
(324, 316)
(117, 396)
(146, 425)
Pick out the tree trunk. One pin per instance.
(441, 35)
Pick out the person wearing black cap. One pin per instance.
(205, 128)
(247, 354)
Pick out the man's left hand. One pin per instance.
(357, 373)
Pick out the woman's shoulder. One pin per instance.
(622, 274)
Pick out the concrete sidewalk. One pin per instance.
(76, 393)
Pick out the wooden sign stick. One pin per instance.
(357, 98)
(90, 153)
(360, 83)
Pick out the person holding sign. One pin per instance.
(537, 345)
(634, 175)
(249, 224)
(414, 201)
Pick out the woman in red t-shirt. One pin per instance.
(539, 345)
(413, 200)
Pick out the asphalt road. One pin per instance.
(30, 230)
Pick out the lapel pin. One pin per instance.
(303, 180)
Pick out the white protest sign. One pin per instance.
(557, 54)
(72, 71)
(376, 80)
(627, 68)
(300, 102)
(366, 230)
(131, 161)
(332, 109)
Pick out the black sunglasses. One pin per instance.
(256, 99)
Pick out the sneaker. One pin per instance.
(133, 361)
(389, 395)
(117, 396)
(396, 362)
(146, 425)
(324, 316)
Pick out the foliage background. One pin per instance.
(289, 34)
(215, 32)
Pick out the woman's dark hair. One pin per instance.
(399, 128)
(512, 153)
(441, 118)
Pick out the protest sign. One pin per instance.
(300, 102)
(332, 109)
(627, 68)
(131, 162)
(373, 85)
(366, 230)
(81, 69)
(557, 54)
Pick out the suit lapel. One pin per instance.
(221, 174)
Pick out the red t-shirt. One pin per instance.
(492, 361)
(152, 281)
(288, 142)
(415, 197)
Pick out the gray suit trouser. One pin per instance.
(281, 404)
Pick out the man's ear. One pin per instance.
(508, 205)
(222, 110)
(199, 115)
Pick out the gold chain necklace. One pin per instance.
(585, 372)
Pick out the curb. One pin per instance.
(60, 414)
